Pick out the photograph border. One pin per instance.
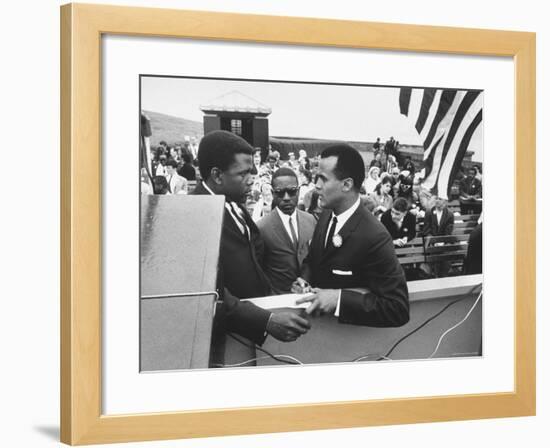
(82, 28)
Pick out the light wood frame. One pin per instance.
(82, 27)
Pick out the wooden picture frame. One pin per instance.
(82, 27)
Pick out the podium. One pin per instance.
(329, 341)
(179, 250)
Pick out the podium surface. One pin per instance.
(179, 250)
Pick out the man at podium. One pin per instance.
(226, 166)
(352, 262)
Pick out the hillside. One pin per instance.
(172, 129)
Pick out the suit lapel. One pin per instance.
(280, 228)
(345, 231)
(318, 242)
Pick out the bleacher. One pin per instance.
(431, 250)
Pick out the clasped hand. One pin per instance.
(287, 326)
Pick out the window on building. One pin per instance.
(237, 127)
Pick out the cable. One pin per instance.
(456, 325)
(428, 321)
(254, 359)
(275, 357)
(361, 358)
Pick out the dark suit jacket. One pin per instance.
(445, 227)
(374, 292)
(282, 261)
(240, 276)
(408, 228)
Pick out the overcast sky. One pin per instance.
(359, 113)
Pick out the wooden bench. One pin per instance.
(464, 224)
(447, 249)
(412, 252)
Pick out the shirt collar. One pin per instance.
(208, 188)
(285, 217)
(344, 216)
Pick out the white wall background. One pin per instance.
(29, 223)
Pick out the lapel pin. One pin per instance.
(336, 240)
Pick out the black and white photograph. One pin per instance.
(293, 223)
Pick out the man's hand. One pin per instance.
(323, 302)
(300, 286)
(398, 243)
(287, 326)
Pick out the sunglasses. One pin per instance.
(280, 192)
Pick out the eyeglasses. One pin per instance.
(280, 192)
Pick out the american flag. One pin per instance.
(445, 119)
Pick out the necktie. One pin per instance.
(293, 233)
(237, 213)
(331, 231)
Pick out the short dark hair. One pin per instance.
(186, 157)
(217, 149)
(284, 171)
(401, 205)
(160, 185)
(172, 163)
(349, 163)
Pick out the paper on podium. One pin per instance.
(280, 301)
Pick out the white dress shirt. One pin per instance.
(342, 219)
(438, 214)
(286, 223)
(233, 209)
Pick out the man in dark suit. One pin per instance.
(439, 220)
(225, 163)
(470, 192)
(286, 231)
(352, 261)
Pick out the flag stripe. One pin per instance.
(458, 119)
(404, 100)
(445, 104)
(464, 145)
(427, 100)
(443, 127)
(428, 163)
(464, 134)
(446, 120)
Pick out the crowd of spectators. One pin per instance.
(392, 189)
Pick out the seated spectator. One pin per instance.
(439, 220)
(176, 183)
(373, 178)
(303, 160)
(264, 203)
(405, 190)
(409, 166)
(306, 185)
(160, 185)
(311, 202)
(187, 170)
(470, 194)
(391, 163)
(400, 223)
(382, 196)
(160, 169)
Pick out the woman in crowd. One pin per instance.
(382, 196)
(400, 223)
(372, 179)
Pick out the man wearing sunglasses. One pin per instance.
(286, 232)
(351, 263)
